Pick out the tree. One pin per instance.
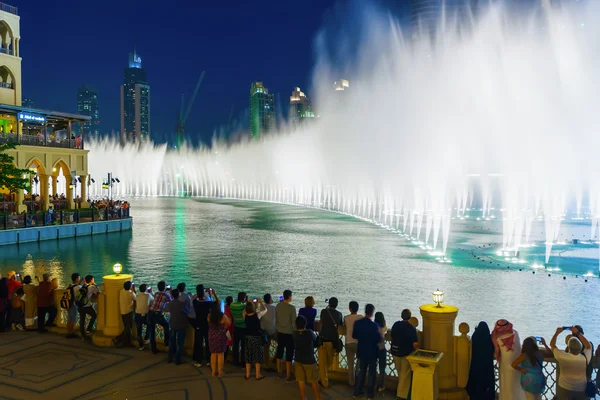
(11, 177)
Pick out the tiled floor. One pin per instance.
(34, 366)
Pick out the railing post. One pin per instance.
(77, 216)
(61, 216)
(25, 221)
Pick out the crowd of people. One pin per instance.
(247, 326)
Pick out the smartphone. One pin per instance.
(280, 298)
(149, 289)
(132, 283)
(18, 274)
(566, 328)
(326, 300)
(538, 339)
(168, 287)
(254, 300)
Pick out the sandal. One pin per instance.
(261, 378)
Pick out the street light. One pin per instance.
(438, 298)
(117, 268)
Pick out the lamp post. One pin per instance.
(438, 298)
(117, 268)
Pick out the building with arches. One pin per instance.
(51, 144)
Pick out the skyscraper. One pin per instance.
(262, 110)
(87, 104)
(135, 102)
(300, 108)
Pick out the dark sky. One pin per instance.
(67, 43)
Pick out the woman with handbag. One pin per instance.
(255, 338)
(218, 325)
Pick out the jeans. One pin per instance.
(201, 338)
(382, 360)
(351, 362)
(124, 339)
(176, 345)
(371, 365)
(42, 311)
(139, 321)
(157, 318)
(83, 311)
(239, 339)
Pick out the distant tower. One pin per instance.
(300, 108)
(262, 110)
(135, 102)
(87, 104)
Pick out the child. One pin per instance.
(305, 341)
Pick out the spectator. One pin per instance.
(285, 320)
(351, 343)
(255, 353)
(142, 307)
(228, 302)
(202, 304)
(239, 322)
(4, 303)
(590, 367)
(507, 347)
(72, 289)
(185, 296)
(17, 313)
(178, 321)
(309, 312)
(367, 333)
(31, 303)
(13, 284)
(46, 304)
(572, 379)
(267, 322)
(305, 341)
(126, 305)
(330, 319)
(530, 364)
(382, 355)
(88, 294)
(481, 383)
(156, 316)
(218, 328)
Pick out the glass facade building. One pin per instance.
(262, 110)
(87, 104)
(300, 109)
(135, 102)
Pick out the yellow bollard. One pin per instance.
(113, 324)
(424, 365)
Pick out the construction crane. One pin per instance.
(182, 117)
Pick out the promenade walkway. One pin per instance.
(34, 366)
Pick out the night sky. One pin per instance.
(71, 42)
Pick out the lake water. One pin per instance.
(262, 247)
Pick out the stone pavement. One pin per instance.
(49, 366)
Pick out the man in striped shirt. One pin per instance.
(155, 314)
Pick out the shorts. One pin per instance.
(285, 341)
(305, 372)
(72, 314)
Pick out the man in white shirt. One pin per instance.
(351, 343)
(573, 364)
(126, 305)
(142, 305)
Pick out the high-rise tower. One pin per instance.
(262, 110)
(135, 102)
(300, 108)
(87, 104)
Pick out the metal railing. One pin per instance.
(63, 217)
(6, 85)
(35, 140)
(9, 9)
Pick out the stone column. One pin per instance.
(54, 179)
(19, 199)
(84, 203)
(113, 325)
(69, 193)
(44, 191)
(438, 335)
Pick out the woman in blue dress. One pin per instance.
(530, 364)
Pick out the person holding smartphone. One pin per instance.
(573, 363)
(155, 314)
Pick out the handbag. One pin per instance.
(338, 345)
(590, 386)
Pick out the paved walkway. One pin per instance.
(34, 366)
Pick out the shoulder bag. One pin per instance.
(338, 345)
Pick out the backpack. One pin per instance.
(81, 299)
(66, 302)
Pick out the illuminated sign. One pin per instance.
(32, 118)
